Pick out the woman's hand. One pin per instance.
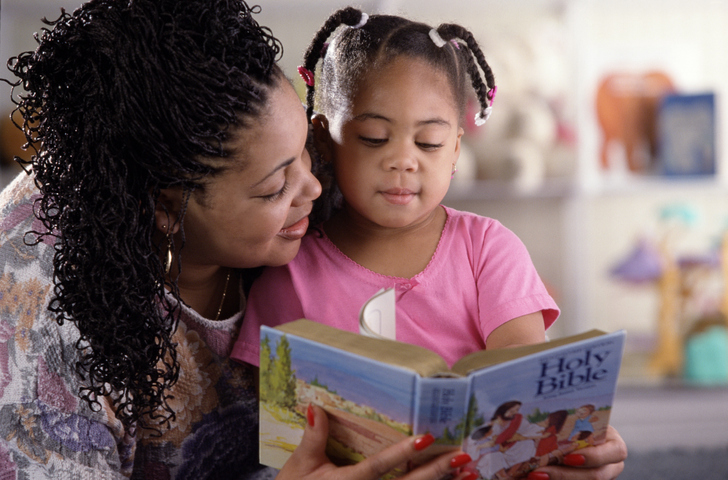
(601, 462)
(309, 460)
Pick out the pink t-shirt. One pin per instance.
(480, 277)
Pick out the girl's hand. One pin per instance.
(601, 462)
(309, 460)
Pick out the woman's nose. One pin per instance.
(310, 188)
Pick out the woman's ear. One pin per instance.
(166, 212)
(322, 137)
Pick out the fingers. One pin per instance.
(310, 455)
(309, 460)
(442, 466)
(601, 462)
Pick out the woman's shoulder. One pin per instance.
(20, 191)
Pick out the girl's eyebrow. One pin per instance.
(375, 116)
(283, 164)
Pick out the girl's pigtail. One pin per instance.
(347, 16)
(485, 90)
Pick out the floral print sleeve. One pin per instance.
(47, 432)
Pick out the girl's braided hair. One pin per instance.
(126, 98)
(381, 38)
(364, 43)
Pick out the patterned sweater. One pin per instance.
(47, 432)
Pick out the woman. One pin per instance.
(172, 164)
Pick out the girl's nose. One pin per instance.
(402, 158)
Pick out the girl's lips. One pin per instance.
(295, 231)
(398, 196)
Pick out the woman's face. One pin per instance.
(256, 212)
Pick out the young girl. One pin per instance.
(392, 94)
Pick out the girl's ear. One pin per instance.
(457, 141)
(457, 145)
(322, 137)
(166, 213)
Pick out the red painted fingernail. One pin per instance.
(310, 415)
(460, 460)
(424, 441)
(574, 460)
(538, 476)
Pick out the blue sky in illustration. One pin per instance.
(387, 389)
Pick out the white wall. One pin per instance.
(574, 237)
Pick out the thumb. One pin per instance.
(310, 454)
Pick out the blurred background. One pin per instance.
(605, 154)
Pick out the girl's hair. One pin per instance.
(364, 43)
(374, 41)
(127, 98)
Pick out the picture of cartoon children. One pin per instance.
(583, 427)
(549, 440)
(515, 439)
(547, 450)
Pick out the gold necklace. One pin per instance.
(224, 292)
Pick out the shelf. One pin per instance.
(500, 190)
(484, 190)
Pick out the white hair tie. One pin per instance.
(482, 117)
(437, 39)
(362, 21)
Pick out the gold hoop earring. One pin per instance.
(168, 262)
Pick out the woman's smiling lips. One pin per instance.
(295, 231)
(398, 196)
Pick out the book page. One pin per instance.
(377, 316)
(485, 358)
(412, 357)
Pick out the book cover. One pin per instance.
(686, 135)
(512, 410)
(530, 412)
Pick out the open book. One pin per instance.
(512, 410)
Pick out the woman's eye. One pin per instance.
(373, 141)
(275, 196)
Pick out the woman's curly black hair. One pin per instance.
(125, 98)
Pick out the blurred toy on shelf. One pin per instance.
(691, 334)
(530, 136)
(626, 107)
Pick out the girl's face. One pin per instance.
(256, 212)
(394, 151)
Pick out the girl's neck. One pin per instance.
(382, 250)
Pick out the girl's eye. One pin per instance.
(373, 141)
(275, 196)
(429, 146)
